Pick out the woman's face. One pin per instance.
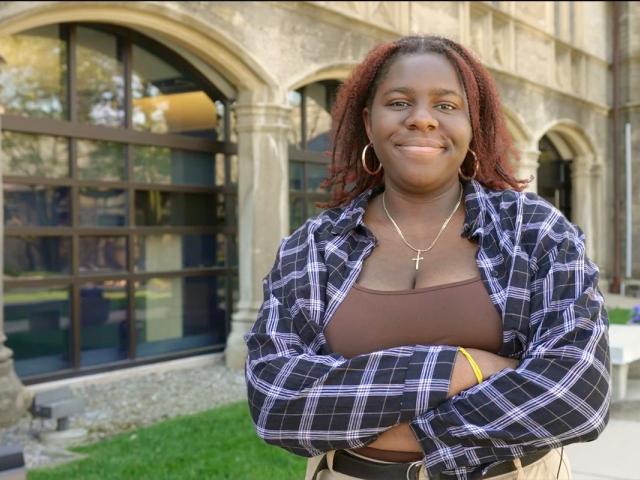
(419, 123)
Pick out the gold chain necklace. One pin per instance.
(418, 258)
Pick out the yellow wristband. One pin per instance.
(474, 365)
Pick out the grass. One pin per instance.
(217, 444)
(619, 315)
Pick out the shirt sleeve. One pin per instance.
(309, 403)
(560, 392)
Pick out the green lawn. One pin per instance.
(619, 315)
(217, 444)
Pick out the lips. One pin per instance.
(421, 143)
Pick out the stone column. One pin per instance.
(581, 201)
(14, 398)
(528, 166)
(263, 207)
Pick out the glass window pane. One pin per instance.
(312, 210)
(30, 155)
(104, 324)
(100, 80)
(166, 252)
(220, 177)
(34, 75)
(101, 160)
(103, 254)
(154, 208)
(233, 167)
(318, 117)
(297, 213)
(316, 174)
(296, 176)
(294, 98)
(175, 314)
(37, 325)
(166, 99)
(37, 257)
(232, 251)
(173, 166)
(102, 207)
(36, 205)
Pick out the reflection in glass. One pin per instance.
(167, 100)
(318, 117)
(220, 180)
(104, 324)
(154, 208)
(233, 169)
(37, 257)
(175, 314)
(37, 326)
(34, 76)
(166, 252)
(316, 174)
(101, 160)
(172, 166)
(100, 80)
(29, 155)
(294, 98)
(36, 205)
(102, 207)
(296, 213)
(296, 176)
(312, 209)
(103, 254)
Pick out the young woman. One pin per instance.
(436, 322)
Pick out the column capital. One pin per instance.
(266, 118)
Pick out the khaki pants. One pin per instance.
(544, 469)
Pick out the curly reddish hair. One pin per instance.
(491, 140)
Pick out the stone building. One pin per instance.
(155, 153)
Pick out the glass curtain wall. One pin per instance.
(120, 193)
(309, 145)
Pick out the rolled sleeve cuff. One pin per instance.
(427, 380)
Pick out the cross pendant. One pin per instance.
(417, 259)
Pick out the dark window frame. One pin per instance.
(71, 129)
(300, 153)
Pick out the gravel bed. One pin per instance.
(129, 403)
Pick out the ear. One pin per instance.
(366, 119)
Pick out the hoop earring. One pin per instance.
(476, 165)
(364, 161)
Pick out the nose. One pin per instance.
(421, 118)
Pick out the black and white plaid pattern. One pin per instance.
(307, 399)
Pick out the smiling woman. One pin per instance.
(435, 322)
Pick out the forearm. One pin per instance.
(401, 437)
(463, 378)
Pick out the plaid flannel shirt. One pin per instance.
(307, 399)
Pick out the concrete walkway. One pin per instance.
(615, 454)
(612, 300)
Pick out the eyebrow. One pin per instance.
(438, 92)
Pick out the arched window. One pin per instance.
(120, 187)
(308, 147)
(554, 177)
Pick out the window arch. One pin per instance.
(309, 143)
(554, 177)
(120, 193)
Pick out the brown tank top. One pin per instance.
(458, 314)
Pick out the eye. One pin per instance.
(399, 104)
(446, 106)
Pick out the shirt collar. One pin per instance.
(473, 193)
